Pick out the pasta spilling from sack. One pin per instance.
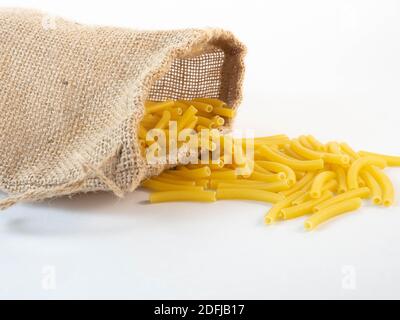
(299, 177)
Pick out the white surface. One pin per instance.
(329, 68)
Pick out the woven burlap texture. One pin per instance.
(71, 98)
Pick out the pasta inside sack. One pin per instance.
(299, 177)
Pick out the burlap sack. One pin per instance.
(71, 97)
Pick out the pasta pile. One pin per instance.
(300, 177)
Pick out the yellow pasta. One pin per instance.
(334, 147)
(385, 183)
(373, 185)
(279, 167)
(194, 174)
(305, 142)
(314, 155)
(358, 193)
(248, 194)
(163, 122)
(341, 178)
(267, 177)
(320, 180)
(224, 112)
(172, 196)
(304, 208)
(158, 106)
(186, 117)
(175, 181)
(162, 186)
(201, 106)
(392, 161)
(349, 151)
(298, 176)
(272, 186)
(318, 146)
(224, 175)
(328, 213)
(205, 122)
(306, 165)
(213, 102)
(274, 213)
(358, 165)
(304, 182)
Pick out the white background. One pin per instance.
(330, 68)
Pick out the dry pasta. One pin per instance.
(299, 177)
(331, 212)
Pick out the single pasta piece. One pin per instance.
(218, 121)
(192, 124)
(277, 140)
(194, 174)
(149, 121)
(162, 186)
(385, 183)
(317, 146)
(205, 122)
(274, 212)
(224, 175)
(142, 132)
(392, 161)
(183, 195)
(248, 194)
(213, 102)
(276, 156)
(158, 106)
(170, 181)
(304, 208)
(358, 165)
(186, 117)
(279, 167)
(163, 122)
(320, 180)
(268, 177)
(330, 212)
(362, 193)
(374, 186)
(272, 186)
(341, 178)
(224, 112)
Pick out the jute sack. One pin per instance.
(71, 98)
